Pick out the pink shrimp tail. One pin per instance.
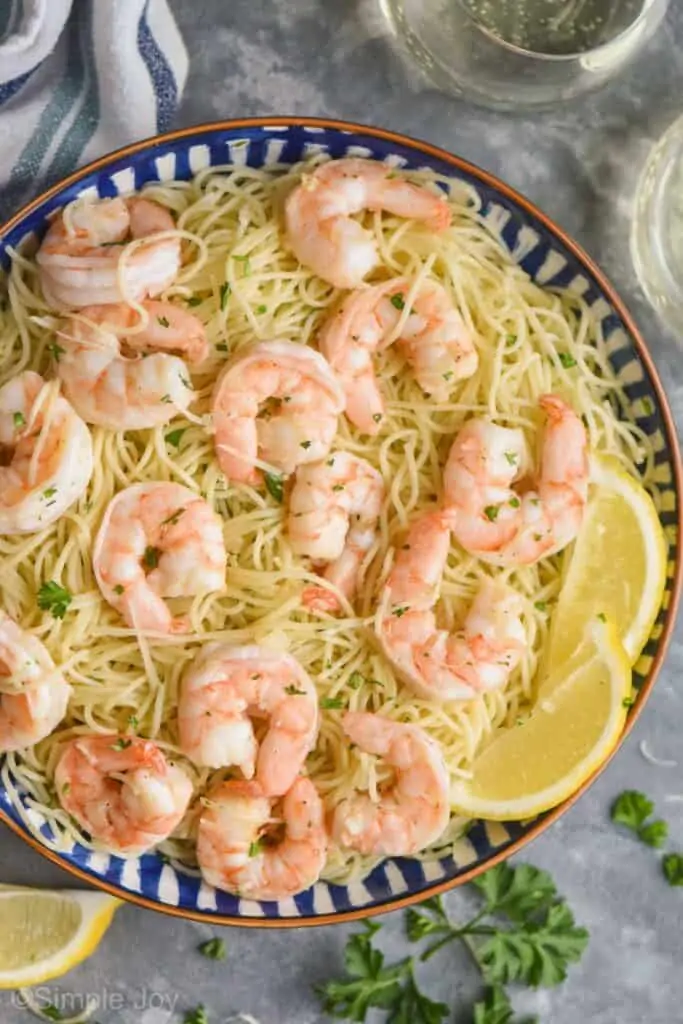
(318, 599)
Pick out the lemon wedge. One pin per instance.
(618, 566)
(47, 932)
(575, 723)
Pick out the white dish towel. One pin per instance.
(77, 79)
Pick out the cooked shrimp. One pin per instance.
(123, 392)
(413, 812)
(435, 664)
(80, 257)
(333, 512)
(234, 848)
(157, 540)
(318, 216)
(434, 339)
(33, 692)
(122, 790)
(224, 688)
(46, 455)
(278, 402)
(489, 518)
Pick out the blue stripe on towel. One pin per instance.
(74, 142)
(163, 79)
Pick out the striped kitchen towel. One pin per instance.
(77, 79)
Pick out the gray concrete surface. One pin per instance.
(580, 163)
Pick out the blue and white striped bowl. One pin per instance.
(552, 259)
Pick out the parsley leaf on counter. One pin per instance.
(495, 1008)
(672, 865)
(369, 983)
(213, 949)
(631, 809)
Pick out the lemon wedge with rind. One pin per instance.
(618, 566)
(573, 727)
(47, 932)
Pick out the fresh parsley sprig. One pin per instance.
(369, 983)
(523, 933)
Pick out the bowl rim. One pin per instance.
(512, 195)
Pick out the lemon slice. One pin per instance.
(618, 567)
(575, 723)
(47, 932)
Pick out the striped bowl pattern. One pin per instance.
(552, 260)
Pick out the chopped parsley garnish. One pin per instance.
(213, 949)
(246, 263)
(173, 518)
(18, 419)
(150, 559)
(356, 680)
(119, 589)
(627, 702)
(275, 486)
(166, 399)
(163, 321)
(306, 444)
(338, 487)
(261, 309)
(121, 744)
(55, 350)
(566, 360)
(511, 458)
(398, 612)
(224, 293)
(510, 340)
(255, 848)
(294, 691)
(514, 503)
(194, 300)
(491, 512)
(54, 598)
(332, 703)
(133, 721)
(447, 375)
(541, 606)
(49, 492)
(377, 417)
(602, 617)
(397, 301)
(173, 437)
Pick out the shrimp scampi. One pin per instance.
(411, 813)
(224, 689)
(494, 522)
(122, 790)
(333, 512)
(319, 211)
(83, 259)
(46, 454)
(278, 402)
(434, 663)
(157, 540)
(124, 374)
(33, 692)
(238, 850)
(434, 339)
